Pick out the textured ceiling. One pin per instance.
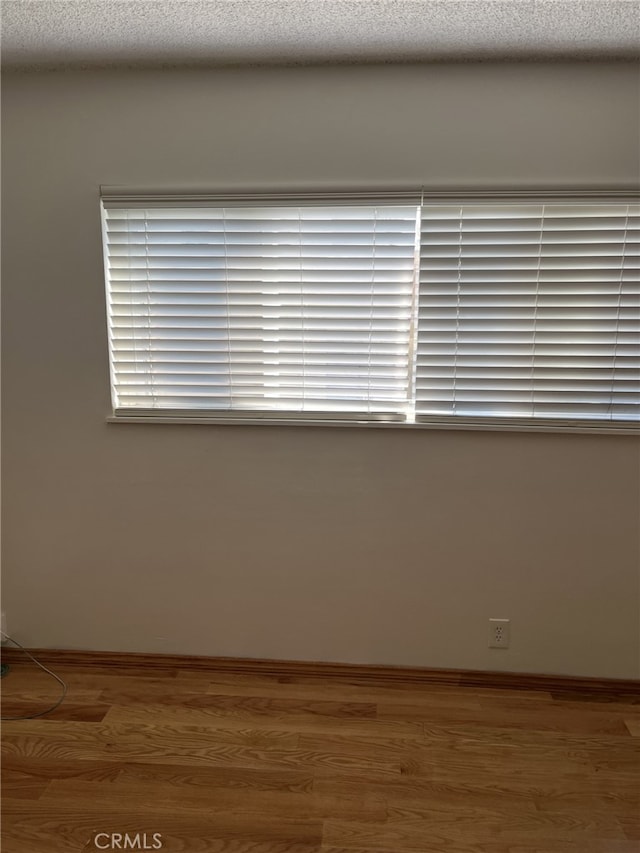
(220, 32)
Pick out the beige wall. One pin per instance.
(383, 546)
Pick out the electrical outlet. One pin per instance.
(499, 633)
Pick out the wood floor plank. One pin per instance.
(47, 768)
(237, 778)
(292, 721)
(160, 795)
(488, 733)
(482, 792)
(188, 745)
(18, 784)
(409, 829)
(248, 706)
(602, 846)
(71, 828)
(79, 712)
(626, 814)
(633, 726)
(396, 750)
(417, 790)
(492, 846)
(515, 766)
(509, 824)
(107, 739)
(630, 823)
(428, 848)
(47, 693)
(531, 719)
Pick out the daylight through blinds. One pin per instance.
(529, 310)
(450, 310)
(280, 309)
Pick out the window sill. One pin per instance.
(483, 425)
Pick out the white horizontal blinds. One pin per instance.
(529, 310)
(249, 309)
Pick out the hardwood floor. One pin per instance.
(244, 763)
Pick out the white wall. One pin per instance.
(383, 546)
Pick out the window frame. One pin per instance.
(141, 198)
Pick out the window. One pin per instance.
(485, 310)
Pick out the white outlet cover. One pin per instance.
(499, 633)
